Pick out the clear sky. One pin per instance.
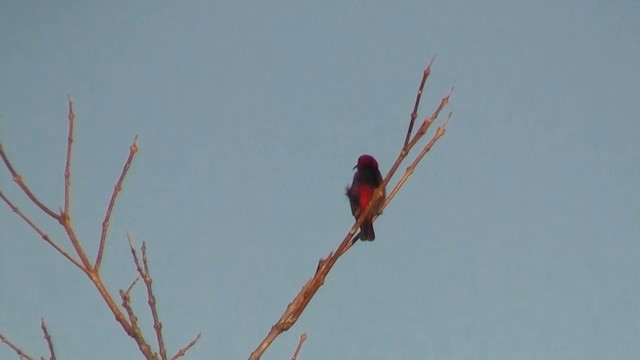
(518, 237)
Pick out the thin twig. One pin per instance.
(146, 278)
(409, 171)
(136, 333)
(157, 325)
(47, 338)
(18, 179)
(423, 129)
(16, 349)
(133, 283)
(42, 234)
(303, 338)
(133, 149)
(83, 263)
(414, 113)
(67, 167)
(184, 350)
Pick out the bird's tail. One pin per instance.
(366, 232)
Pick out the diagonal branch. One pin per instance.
(414, 113)
(133, 149)
(47, 338)
(409, 171)
(67, 167)
(303, 338)
(421, 131)
(42, 234)
(146, 278)
(136, 333)
(23, 355)
(302, 299)
(184, 350)
(18, 179)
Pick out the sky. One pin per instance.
(517, 237)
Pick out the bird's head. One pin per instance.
(366, 161)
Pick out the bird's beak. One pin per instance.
(355, 167)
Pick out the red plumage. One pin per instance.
(365, 181)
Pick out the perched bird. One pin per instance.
(365, 181)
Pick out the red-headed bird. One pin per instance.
(365, 181)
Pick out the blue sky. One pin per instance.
(517, 237)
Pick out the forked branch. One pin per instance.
(302, 299)
(127, 321)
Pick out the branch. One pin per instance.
(136, 333)
(42, 234)
(18, 179)
(146, 277)
(439, 133)
(414, 113)
(133, 149)
(17, 350)
(184, 350)
(67, 167)
(127, 321)
(302, 299)
(47, 338)
(65, 221)
(303, 338)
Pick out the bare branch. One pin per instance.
(18, 179)
(184, 350)
(146, 278)
(414, 113)
(157, 325)
(133, 283)
(300, 302)
(127, 321)
(47, 338)
(303, 338)
(133, 149)
(42, 234)
(65, 221)
(136, 333)
(302, 299)
(16, 349)
(439, 133)
(67, 167)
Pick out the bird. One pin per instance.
(365, 181)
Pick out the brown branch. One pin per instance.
(136, 333)
(47, 338)
(414, 113)
(300, 302)
(16, 349)
(302, 299)
(184, 350)
(146, 278)
(67, 167)
(409, 171)
(133, 149)
(42, 234)
(303, 338)
(128, 322)
(65, 221)
(157, 325)
(419, 134)
(133, 283)
(18, 179)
